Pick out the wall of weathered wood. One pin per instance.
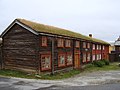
(20, 49)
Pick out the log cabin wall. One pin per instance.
(20, 49)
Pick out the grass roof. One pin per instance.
(55, 30)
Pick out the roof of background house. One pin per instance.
(55, 30)
(112, 43)
(118, 41)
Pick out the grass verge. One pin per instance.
(92, 68)
(61, 75)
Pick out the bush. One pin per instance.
(98, 63)
(106, 62)
(89, 66)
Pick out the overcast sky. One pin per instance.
(99, 17)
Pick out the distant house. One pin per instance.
(38, 48)
(112, 47)
(115, 53)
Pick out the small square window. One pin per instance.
(84, 57)
(68, 43)
(84, 44)
(61, 60)
(88, 57)
(88, 45)
(97, 47)
(97, 56)
(44, 41)
(103, 47)
(45, 62)
(69, 59)
(93, 46)
(77, 44)
(60, 42)
(93, 57)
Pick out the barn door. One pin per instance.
(77, 60)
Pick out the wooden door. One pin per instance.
(77, 61)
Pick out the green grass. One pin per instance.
(61, 75)
(14, 73)
(92, 68)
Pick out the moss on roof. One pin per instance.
(55, 30)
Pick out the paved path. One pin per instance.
(87, 79)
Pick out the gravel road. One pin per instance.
(85, 79)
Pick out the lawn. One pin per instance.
(112, 66)
(61, 75)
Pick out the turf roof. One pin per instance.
(55, 30)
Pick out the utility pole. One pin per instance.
(52, 56)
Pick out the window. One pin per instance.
(77, 44)
(45, 62)
(93, 46)
(97, 56)
(88, 45)
(44, 41)
(84, 57)
(61, 60)
(88, 57)
(103, 47)
(69, 59)
(93, 57)
(60, 43)
(100, 56)
(97, 47)
(68, 43)
(84, 44)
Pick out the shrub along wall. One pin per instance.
(100, 63)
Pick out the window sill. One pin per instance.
(61, 65)
(45, 69)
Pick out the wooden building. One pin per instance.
(35, 47)
(115, 53)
